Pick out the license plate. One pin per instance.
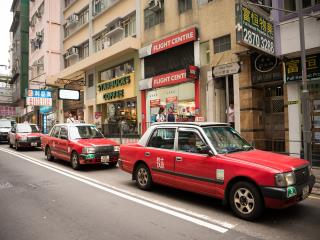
(305, 192)
(34, 144)
(104, 159)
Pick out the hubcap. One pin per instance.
(74, 160)
(244, 200)
(142, 176)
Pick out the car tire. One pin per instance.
(113, 164)
(49, 154)
(246, 201)
(143, 177)
(75, 164)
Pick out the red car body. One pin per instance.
(19, 137)
(63, 148)
(199, 172)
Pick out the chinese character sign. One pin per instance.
(293, 68)
(39, 98)
(39, 93)
(254, 29)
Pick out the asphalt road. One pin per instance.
(49, 200)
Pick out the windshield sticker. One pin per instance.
(160, 162)
(220, 174)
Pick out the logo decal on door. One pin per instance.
(220, 174)
(160, 162)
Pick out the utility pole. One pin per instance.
(305, 98)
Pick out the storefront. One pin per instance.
(171, 79)
(117, 100)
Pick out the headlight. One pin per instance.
(116, 148)
(285, 179)
(88, 150)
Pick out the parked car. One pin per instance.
(5, 126)
(214, 160)
(80, 144)
(23, 135)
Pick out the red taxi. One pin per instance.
(212, 159)
(23, 135)
(80, 144)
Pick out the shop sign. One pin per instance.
(45, 109)
(225, 69)
(97, 115)
(38, 101)
(6, 111)
(176, 77)
(293, 102)
(116, 88)
(254, 30)
(68, 94)
(155, 103)
(265, 63)
(293, 68)
(174, 41)
(39, 93)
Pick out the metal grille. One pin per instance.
(277, 105)
(35, 139)
(302, 175)
(104, 149)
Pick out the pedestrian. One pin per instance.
(161, 117)
(230, 115)
(171, 117)
(70, 119)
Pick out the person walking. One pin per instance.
(161, 117)
(70, 119)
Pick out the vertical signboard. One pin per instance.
(254, 30)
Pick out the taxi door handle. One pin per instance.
(179, 159)
(147, 154)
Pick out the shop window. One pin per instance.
(222, 44)
(152, 17)
(163, 138)
(90, 80)
(184, 5)
(168, 61)
(205, 53)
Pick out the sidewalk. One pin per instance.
(316, 188)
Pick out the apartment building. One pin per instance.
(100, 44)
(19, 50)
(44, 54)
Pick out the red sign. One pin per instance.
(172, 99)
(38, 101)
(176, 77)
(6, 111)
(155, 103)
(175, 40)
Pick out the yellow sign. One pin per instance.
(116, 89)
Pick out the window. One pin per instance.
(40, 67)
(83, 16)
(97, 6)
(190, 141)
(64, 132)
(68, 2)
(152, 18)
(291, 4)
(163, 138)
(205, 53)
(184, 5)
(84, 50)
(200, 2)
(129, 26)
(90, 80)
(222, 44)
(55, 132)
(117, 71)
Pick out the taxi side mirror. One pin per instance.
(206, 150)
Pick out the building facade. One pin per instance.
(44, 54)
(20, 51)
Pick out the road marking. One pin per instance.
(187, 215)
(314, 197)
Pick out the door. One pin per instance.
(194, 168)
(52, 141)
(159, 155)
(62, 144)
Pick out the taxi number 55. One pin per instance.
(160, 162)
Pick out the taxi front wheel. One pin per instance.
(143, 177)
(75, 161)
(246, 201)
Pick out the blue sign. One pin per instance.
(39, 93)
(45, 109)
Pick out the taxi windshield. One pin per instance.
(26, 128)
(84, 132)
(5, 124)
(226, 139)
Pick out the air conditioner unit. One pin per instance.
(154, 5)
(73, 19)
(72, 52)
(114, 27)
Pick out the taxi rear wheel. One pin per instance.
(143, 177)
(75, 161)
(49, 155)
(246, 201)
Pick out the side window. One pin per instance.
(64, 132)
(189, 141)
(55, 132)
(162, 138)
